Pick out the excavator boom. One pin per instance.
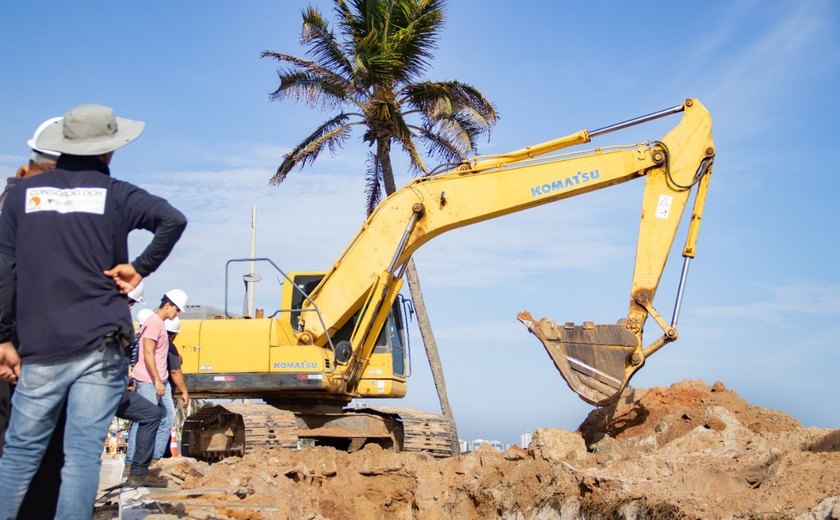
(597, 361)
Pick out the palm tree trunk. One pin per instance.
(425, 326)
(383, 152)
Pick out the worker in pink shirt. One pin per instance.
(151, 371)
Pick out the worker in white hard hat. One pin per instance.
(176, 379)
(41, 502)
(41, 160)
(151, 371)
(144, 413)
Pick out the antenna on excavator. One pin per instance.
(251, 278)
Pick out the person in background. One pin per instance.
(64, 255)
(131, 442)
(147, 416)
(41, 160)
(151, 371)
(42, 501)
(173, 365)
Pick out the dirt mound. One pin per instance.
(670, 413)
(688, 451)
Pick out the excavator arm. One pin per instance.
(597, 361)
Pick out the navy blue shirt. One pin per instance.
(173, 358)
(62, 230)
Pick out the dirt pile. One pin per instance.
(688, 451)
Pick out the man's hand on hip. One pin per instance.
(9, 362)
(125, 277)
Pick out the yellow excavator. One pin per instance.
(340, 334)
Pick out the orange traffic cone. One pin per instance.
(173, 444)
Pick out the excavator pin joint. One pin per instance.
(658, 157)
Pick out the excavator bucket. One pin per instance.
(595, 360)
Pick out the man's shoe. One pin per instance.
(126, 471)
(146, 481)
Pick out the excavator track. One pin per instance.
(267, 426)
(217, 432)
(426, 432)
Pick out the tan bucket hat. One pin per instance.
(89, 130)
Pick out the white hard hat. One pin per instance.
(178, 298)
(172, 326)
(38, 131)
(136, 294)
(143, 315)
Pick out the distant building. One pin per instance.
(470, 446)
(525, 440)
(202, 312)
(496, 445)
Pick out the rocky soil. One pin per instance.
(688, 451)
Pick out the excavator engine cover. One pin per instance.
(595, 360)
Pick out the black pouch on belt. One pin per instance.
(119, 338)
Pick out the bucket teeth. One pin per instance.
(594, 360)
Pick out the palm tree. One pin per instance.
(371, 74)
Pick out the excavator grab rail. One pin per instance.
(314, 308)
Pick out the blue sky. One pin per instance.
(763, 298)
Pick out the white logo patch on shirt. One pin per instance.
(69, 200)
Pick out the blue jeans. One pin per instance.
(91, 384)
(147, 416)
(147, 391)
(164, 432)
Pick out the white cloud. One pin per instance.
(10, 163)
(585, 233)
(484, 334)
(302, 225)
(785, 305)
(749, 66)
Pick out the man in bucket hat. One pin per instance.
(64, 252)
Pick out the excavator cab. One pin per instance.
(386, 372)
